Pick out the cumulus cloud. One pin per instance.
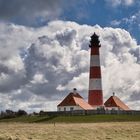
(80, 82)
(39, 78)
(46, 63)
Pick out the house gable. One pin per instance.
(74, 100)
(114, 101)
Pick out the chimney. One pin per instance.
(74, 90)
(113, 93)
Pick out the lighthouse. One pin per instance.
(95, 95)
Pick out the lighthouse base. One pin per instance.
(95, 98)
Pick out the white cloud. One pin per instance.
(39, 78)
(132, 20)
(115, 23)
(116, 3)
(13, 38)
(128, 2)
(80, 82)
(46, 63)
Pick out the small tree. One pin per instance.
(21, 113)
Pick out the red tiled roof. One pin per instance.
(114, 101)
(74, 99)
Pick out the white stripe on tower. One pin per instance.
(95, 84)
(95, 97)
(94, 60)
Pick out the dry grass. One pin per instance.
(62, 131)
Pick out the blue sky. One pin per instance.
(117, 13)
(45, 54)
(103, 13)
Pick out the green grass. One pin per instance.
(25, 119)
(74, 119)
(95, 118)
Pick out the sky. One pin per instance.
(45, 50)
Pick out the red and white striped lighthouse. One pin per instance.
(95, 97)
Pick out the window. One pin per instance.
(64, 109)
(71, 108)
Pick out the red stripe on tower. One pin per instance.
(95, 97)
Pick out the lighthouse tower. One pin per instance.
(95, 96)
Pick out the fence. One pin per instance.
(92, 112)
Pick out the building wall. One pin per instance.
(97, 107)
(113, 108)
(69, 108)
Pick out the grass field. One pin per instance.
(74, 119)
(70, 131)
(90, 127)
